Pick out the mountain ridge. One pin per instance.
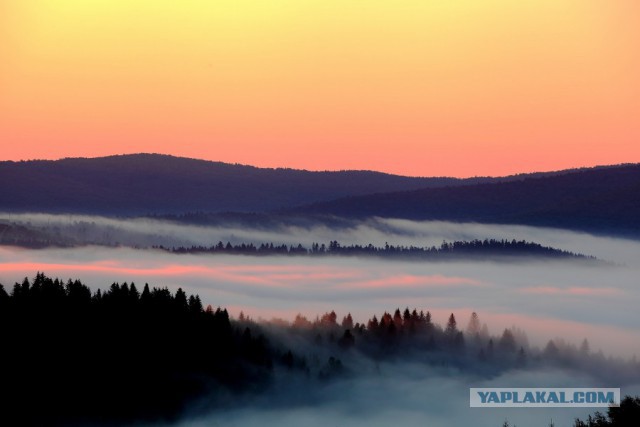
(139, 184)
(601, 198)
(285, 168)
(152, 183)
(598, 199)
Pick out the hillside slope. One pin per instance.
(599, 199)
(151, 183)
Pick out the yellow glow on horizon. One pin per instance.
(415, 87)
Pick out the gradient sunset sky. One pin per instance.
(413, 87)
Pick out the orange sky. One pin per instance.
(411, 86)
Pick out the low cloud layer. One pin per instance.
(566, 299)
(143, 232)
(400, 394)
(547, 298)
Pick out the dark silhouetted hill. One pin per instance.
(141, 184)
(603, 199)
(151, 183)
(598, 199)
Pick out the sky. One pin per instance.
(414, 87)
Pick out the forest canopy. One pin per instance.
(132, 353)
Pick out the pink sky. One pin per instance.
(456, 88)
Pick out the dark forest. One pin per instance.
(123, 355)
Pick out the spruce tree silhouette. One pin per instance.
(115, 356)
(626, 415)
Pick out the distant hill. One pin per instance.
(471, 249)
(598, 199)
(158, 184)
(605, 199)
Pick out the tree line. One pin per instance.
(124, 354)
(476, 247)
(74, 357)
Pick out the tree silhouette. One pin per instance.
(584, 347)
(473, 327)
(373, 324)
(397, 319)
(347, 321)
(140, 355)
(347, 340)
(626, 415)
(488, 247)
(507, 342)
(452, 328)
